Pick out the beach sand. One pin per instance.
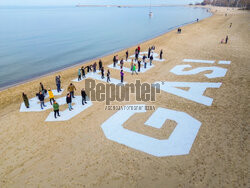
(76, 153)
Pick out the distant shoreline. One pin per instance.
(128, 6)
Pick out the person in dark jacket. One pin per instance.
(122, 76)
(56, 109)
(151, 59)
(83, 72)
(126, 55)
(114, 61)
(139, 65)
(100, 64)
(149, 51)
(121, 63)
(108, 76)
(226, 40)
(83, 93)
(102, 71)
(26, 100)
(69, 101)
(161, 52)
(58, 83)
(41, 99)
(94, 67)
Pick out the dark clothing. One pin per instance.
(51, 100)
(114, 60)
(41, 97)
(83, 93)
(226, 39)
(83, 72)
(94, 67)
(151, 59)
(122, 75)
(161, 54)
(139, 66)
(58, 84)
(102, 73)
(68, 99)
(149, 51)
(126, 55)
(26, 101)
(56, 112)
(108, 76)
(100, 65)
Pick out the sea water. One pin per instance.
(38, 40)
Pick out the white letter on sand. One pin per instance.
(216, 71)
(179, 142)
(195, 93)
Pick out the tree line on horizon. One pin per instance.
(245, 4)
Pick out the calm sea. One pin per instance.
(38, 40)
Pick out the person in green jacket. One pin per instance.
(56, 109)
(134, 69)
(26, 100)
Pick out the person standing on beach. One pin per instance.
(69, 101)
(108, 76)
(102, 71)
(136, 54)
(71, 90)
(44, 91)
(230, 25)
(226, 40)
(51, 96)
(83, 72)
(100, 64)
(144, 58)
(122, 76)
(131, 65)
(56, 109)
(139, 49)
(58, 83)
(134, 69)
(114, 61)
(121, 63)
(94, 67)
(149, 50)
(41, 99)
(197, 19)
(79, 75)
(83, 93)
(139, 66)
(26, 100)
(161, 52)
(151, 59)
(145, 64)
(127, 55)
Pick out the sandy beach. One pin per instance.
(76, 153)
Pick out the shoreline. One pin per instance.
(24, 81)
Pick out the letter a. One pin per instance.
(195, 93)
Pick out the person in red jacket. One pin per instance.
(139, 49)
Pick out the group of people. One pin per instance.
(82, 74)
(89, 68)
(43, 92)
